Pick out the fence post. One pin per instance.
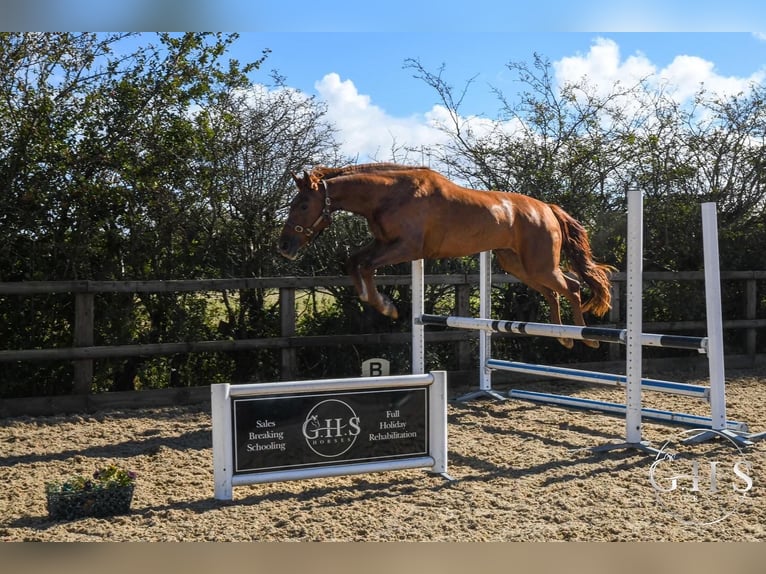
(287, 321)
(83, 337)
(462, 309)
(751, 305)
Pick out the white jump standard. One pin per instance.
(632, 337)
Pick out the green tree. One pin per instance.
(98, 172)
(255, 139)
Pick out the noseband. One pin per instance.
(326, 214)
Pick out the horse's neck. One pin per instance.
(353, 196)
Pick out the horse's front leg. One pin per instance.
(361, 269)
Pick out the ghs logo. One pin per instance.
(331, 428)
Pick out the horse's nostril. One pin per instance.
(286, 247)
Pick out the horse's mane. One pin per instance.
(321, 172)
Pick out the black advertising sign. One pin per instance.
(283, 432)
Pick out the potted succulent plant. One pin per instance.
(108, 492)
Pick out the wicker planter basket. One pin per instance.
(97, 502)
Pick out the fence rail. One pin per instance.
(83, 353)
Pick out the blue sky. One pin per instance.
(374, 62)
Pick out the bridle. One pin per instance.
(325, 215)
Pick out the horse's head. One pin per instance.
(309, 215)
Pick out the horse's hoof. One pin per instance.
(391, 311)
(568, 343)
(591, 344)
(387, 309)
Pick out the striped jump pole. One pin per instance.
(602, 334)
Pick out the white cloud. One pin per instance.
(367, 131)
(688, 73)
(603, 66)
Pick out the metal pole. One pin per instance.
(634, 316)
(713, 311)
(695, 421)
(549, 371)
(418, 330)
(485, 312)
(437, 421)
(223, 455)
(604, 334)
(485, 336)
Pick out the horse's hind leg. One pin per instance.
(570, 288)
(511, 263)
(552, 298)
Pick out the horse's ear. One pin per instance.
(296, 179)
(313, 181)
(310, 181)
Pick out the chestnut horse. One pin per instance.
(416, 213)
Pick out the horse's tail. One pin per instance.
(576, 247)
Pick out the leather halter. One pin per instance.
(326, 214)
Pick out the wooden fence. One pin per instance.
(83, 352)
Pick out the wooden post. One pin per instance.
(287, 320)
(462, 309)
(83, 337)
(751, 305)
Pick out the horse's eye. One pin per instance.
(304, 206)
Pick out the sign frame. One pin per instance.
(226, 476)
